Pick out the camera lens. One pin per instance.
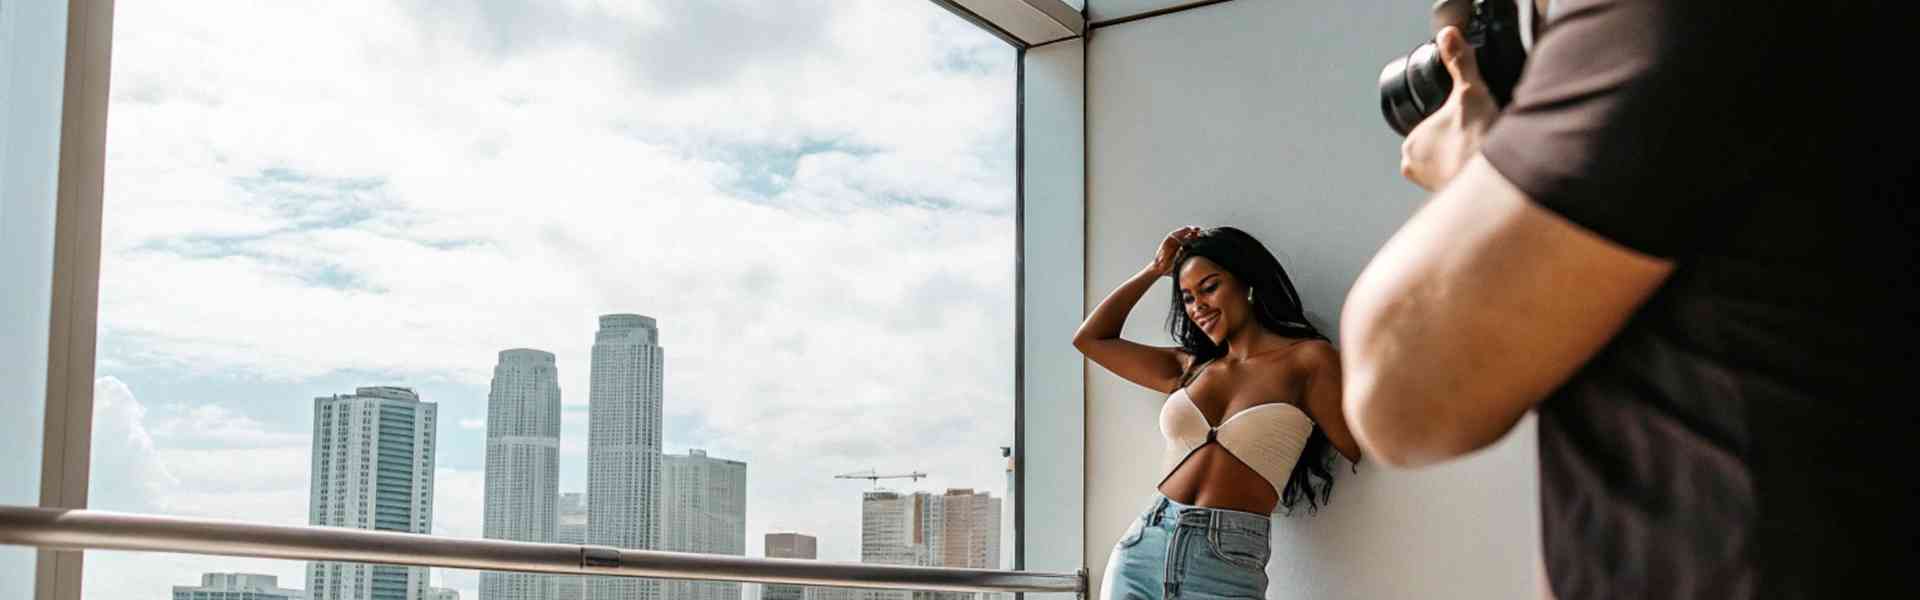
(1413, 86)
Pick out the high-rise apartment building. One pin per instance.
(572, 530)
(960, 528)
(372, 468)
(963, 531)
(236, 586)
(891, 533)
(441, 593)
(623, 447)
(789, 545)
(703, 508)
(523, 465)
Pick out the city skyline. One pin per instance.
(700, 500)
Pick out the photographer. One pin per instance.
(1687, 244)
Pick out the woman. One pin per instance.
(1253, 406)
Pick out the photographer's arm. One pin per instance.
(1474, 311)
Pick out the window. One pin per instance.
(776, 240)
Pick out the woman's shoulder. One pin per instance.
(1305, 359)
(1318, 354)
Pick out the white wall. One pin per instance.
(1262, 114)
(32, 51)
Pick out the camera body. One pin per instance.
(1415, 85)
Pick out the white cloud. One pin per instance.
(126, 472)
(219, 426)
(133, 472)
(820, 216)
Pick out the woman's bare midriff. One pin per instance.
(1213, 478)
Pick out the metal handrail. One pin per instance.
(74, 529)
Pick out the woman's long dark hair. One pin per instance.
(1277, 307)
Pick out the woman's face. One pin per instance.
(1214, 300)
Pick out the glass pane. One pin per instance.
(643, 274)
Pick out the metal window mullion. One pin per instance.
(72, 326)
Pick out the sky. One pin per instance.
(815, 199)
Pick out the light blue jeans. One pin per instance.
(1176, 551)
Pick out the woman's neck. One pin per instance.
(1251, 340)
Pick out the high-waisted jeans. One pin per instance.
(1178, 551)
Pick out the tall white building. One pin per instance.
(623, 447)
(441, 593)
(523, 465)
(372, 468)
(703, 509)
(573, 530)
(236, 586)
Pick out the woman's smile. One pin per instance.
(1206, 319)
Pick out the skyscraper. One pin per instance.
(789, 545)
(623, 447)
(372, 468)
(703, 508)
(236, 586)
(523, 465)
(573, 530)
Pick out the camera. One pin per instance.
(1415, 85)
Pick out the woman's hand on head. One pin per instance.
(1169, 250)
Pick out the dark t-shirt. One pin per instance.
(1751, 431)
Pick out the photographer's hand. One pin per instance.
(1442, 144)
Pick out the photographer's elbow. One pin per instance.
(1390, 426)
(1387, 407)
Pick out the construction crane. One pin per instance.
(869, 475)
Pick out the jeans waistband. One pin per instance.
(1165, 510)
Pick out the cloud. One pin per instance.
(217, 426)
(133, 470)
(126, 471)
(473, 424)
(672, 45)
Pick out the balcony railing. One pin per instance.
(69, 529)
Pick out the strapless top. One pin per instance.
(1267, 437)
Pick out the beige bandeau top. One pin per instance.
(1267, 437)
